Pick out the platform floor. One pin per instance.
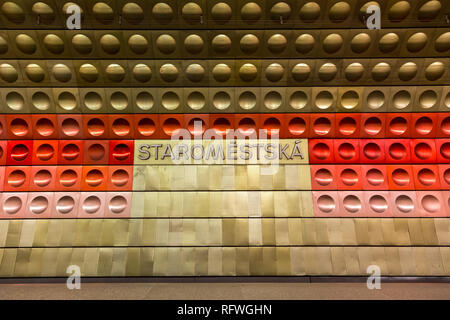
(200, 291)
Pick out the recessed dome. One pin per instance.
(138, 44)
(339, 11)
(280, 10)
(44, 11)
(82, 44)
(429, 10)
(132, 13)
(54, 44)
(191, 12)
(309, 12)
(251, 12)
(162, 13)
(103, 13)
(193, 44)
(13, 12)
(399, 11)
(221, 12)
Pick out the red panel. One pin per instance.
(70, 126)
(426, 177)
(96, 152)
(196, 124)
(94, 178)
(17, 207)
(372, 151)
(346, 150)
(65, 204)
(70, 152)
(322, 125)
(121, 152)
(403, 203)
(95, 126)
(221, 124)
(351, 203)
(326, 203)
(377, 204)
(423, 151)
(120, 178)
(68, 178)
(323, 177)
(443, 130)
(2, 181)
(92, 205)
(374, 177)
(349, 177)
(444, 176)
(171, 124)
(400, 177)
(121, 126)
(19, 126)
(45, 152)
(424, 125)
(321, 151)
(19, 152)
(3, 127)
(43, 178)
(39, 205)
(146, 126)
(297, 125)
(373, 125)
(17, 178)
(431, 204)
(272, 125)
(45, 126)
(118, 204)
(247, 125)
(398, 125)
(348, 125)
(3, 152)
(443, 150)
(398, 150)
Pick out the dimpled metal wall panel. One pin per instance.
(312, 143)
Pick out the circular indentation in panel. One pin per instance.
(193, 44)
(115, 72)
(352, 203)
(332, 43)
(321, 151)
(166, 44)
(400, 177)
(19, 127)
(70, 127)
(103, 12)
(350, 99)
(16, 178)
(304, 43)
(196, 126)
(13, 12)
(298, 100)
(247, 100)
(221, 12)
(301, 72)
(171, 126)
(144, 100)
(372, 151)
(93, 101)
(249, 43)
(354, 71)
(346, 151)
(138, 44)
(168, 72)
(272, 126)
(132, 13)
(170, 100)
(372, 126)
(68, 178)
(117, 204)
(428, 99)
(42, 178)
(397, 151)
(375, 99)
(120, 178)
(404, 203)
(251, 12)
(272, 100)
(196, 100)
(121, 152)
(360, 43)
(447, 176)
(88, 72)
(119, 100)
(399, 11)
(274, 72)
(61, 72)
(35, 72)
(221, 43)
(434, 71)
(95, 127)
(388, 42)
(162, 12)
(445, 126)
(8, 73)
(426, 177)
(15, 101)
(121, 127)
(325, 203)
(277, 43)
(12, 205)
(221, 100)
(431, 204)
(401, 99)
(45, 152)
(339, 11)
(324, 100)
(407, 71)
(96, 151)
(280, 11)
(349, 177)
(416, 42)
(70, 152)
(191, 12)
(246, 126)
(65, 205)
(378, 203)
(110, 44)
(398, 126)
(3, 45)
(347, 126)
(424, 125)
(381, 71)
(82, 44)
(54, 44)
(146, 127)
(91, 204)
(445, 150)
(309, 12)
(323, 177)
(322, 126)
(94, 178)
(221, 72)
(195, 72)
(327, 72)
(442, 43)
(142, 72)
(374, 177)
(221, 125)
(296, 126)
(429, 10)
(26, 44)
